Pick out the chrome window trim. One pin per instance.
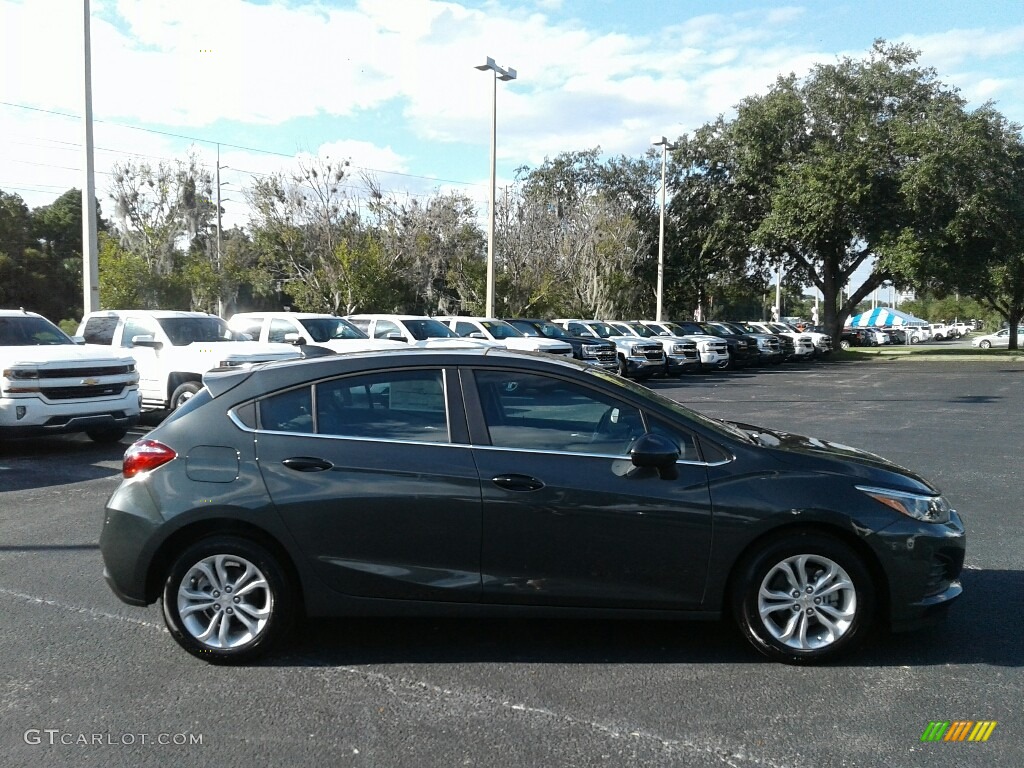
(313, 404)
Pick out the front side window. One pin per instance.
(536, 412)
(134, 327)
(188, 330)
(385, 328)
(393, 405)
(279, 330)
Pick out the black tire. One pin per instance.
(183, 393)
(107, 435)
(826, 563)
(260, 616)
(986, 344)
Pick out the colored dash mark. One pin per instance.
(958, 730)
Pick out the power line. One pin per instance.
(224, 144)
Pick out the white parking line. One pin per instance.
(78, 609)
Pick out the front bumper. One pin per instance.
(643, 366)
(923, 562)
(38, 418)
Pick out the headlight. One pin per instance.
(21, 374)
(927, 509)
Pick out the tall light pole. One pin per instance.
(90, 248)
(220, 300)
(503, 75)
(661, 141)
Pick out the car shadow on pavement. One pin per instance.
(978, 630)
(22, 467)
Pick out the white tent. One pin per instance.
(884, 317)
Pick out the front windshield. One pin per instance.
(323, 329)
(428, 328)
(603, 330)
(29, 331)
(717, 330)
(553, 331)
(500, 330)
(183, 331)
(641, 330)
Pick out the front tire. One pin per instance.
(108, 435)
(183, 393)
(985, 344)
(804, 599)
(227, 600)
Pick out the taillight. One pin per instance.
(145, 455)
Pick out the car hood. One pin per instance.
(815, 454)
(57, 355)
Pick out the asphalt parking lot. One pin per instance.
(88, 681)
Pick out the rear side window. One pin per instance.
(394, 405)
(99, 330)
(290, 411)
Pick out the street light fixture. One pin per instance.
(504, 75)
(666, 145)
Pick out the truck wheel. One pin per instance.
(108, 435)
(183, 393)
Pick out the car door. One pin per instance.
(567, 519)
(147, 359)
(366, 472)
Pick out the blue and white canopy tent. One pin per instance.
(884, 317)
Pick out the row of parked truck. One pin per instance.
(125, 361)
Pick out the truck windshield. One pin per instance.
(30, 331)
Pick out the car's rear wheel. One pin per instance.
(227, 600)
(183, 393)
(844, 344)
(804, 599)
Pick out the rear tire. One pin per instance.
(804, 599)
(227, 600)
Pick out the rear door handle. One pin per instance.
(517, 482)
(307, 464)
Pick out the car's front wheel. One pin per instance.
(804, 599)
(107, 435)
(986, 344)
(227, 600)
(183, 393)
(844, 344)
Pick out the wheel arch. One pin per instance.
(879, 581)
(178, 378)
(184, 537)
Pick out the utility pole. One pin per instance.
(90, 246)
(220, 301)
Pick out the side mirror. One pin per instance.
(395, 336)
(657, 452)
(146, 341)
(294, 338)
(477, 335)
(78, 339)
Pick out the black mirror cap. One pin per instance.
(658, 452)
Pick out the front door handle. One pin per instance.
(517, 482)
(307, 464)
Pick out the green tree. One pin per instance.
(826, 162)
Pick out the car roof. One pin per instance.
(297, 315)
(18, 313)
(150, 312)
(386, 316)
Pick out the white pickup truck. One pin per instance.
(173, 350)
(52, 385)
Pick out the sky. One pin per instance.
(391, 85)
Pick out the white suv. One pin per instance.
(504, 333)
(415, 331)
(51, 385)
(173, 350)
(331, 331)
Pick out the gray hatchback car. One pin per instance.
(484, 482)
